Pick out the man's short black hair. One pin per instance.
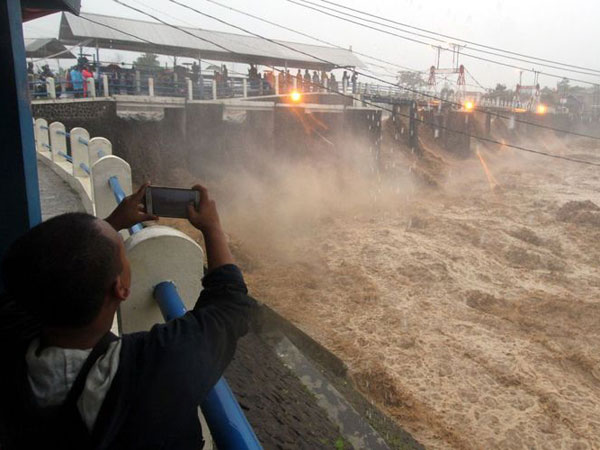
(60, 270)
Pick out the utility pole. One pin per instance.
(456, 54)
(439, 51)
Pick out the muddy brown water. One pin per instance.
(470, 313)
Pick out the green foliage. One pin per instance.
(411, 79)
(549, 97)
(147, 60)
(563, 85)
(339, 444)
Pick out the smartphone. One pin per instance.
(170, 202)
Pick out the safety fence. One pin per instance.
(167, 263)
(106, 86)
(209, 88)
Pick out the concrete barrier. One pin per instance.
(79, 140)
(42, 142)
(157, 254)
(58, 141)
(91, 87)
(97, 148)
(101, 172)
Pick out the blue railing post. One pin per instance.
(119, 197)
(228, 425)
(168, 300)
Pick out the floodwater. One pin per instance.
(470, 312)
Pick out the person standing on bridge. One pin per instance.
(315, 81)
(299, 86)
(306, 80)
(76, 82)
(345, 81)
(324, 81)
(66, 381)
(333, 84)
(87, 74)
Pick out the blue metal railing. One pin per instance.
(67, 157)
(119, 197)
(228, 424)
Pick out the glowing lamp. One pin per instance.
(469, 106)
(296, 96)
(541, 109)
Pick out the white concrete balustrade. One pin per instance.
(53, 144)
(157, 253)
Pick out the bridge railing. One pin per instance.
(211, 88)
(167, 263)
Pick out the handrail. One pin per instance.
(228, 424)
(67, 157)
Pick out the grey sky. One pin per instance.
(563, 31)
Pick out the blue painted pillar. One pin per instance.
(19, 190)
(228, 424)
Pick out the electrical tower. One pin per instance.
(528, 97)
(456, 69)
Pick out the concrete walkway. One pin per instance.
(56, 196)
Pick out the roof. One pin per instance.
(34, 9)
(151, 37)
(47, 48)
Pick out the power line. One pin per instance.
(475, 80)
(362, 73)
(440, 40)
(460, 39)
(480, 138)
(179, 28)
(322, 41)
(481, 58)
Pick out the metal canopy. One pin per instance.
(34, 9)
(47, 48)
(167, 40)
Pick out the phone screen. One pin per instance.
(170, 202)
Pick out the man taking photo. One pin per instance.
(67, 382)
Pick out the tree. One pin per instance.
(501, 92)
(411, 79)
(563, 86)
(548, 96)
(147, 61)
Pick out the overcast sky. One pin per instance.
(563, 31)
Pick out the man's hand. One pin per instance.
(130, 211)
(206, 217)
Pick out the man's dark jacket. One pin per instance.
(163, 374)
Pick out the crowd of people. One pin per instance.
(37, 80)
(171, 81)
(77, 77)
(302, 82)
(74, 84)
